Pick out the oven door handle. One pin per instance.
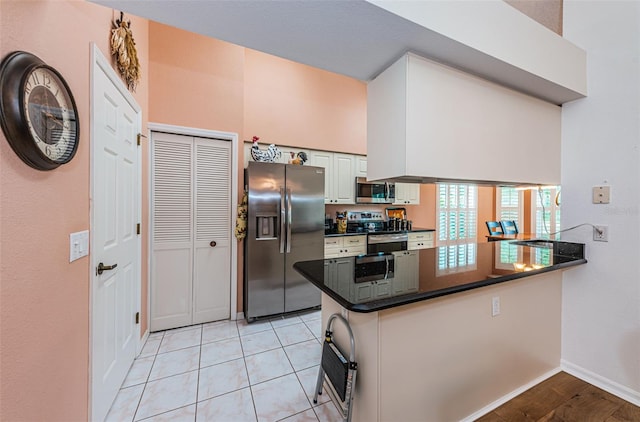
(387, 238)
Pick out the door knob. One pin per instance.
(213, 243)
(102, 268)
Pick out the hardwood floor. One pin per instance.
(564, 397)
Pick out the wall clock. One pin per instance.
(37, 112)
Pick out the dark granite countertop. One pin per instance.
(369, 283)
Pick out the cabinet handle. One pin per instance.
(213, 243)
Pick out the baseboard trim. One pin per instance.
(599, 381)
(502, 400)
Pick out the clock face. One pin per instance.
(49, 114)
(37, 112)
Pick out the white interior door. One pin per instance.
(191, 214)
(212, 247)
(172, 215)
(115, 214)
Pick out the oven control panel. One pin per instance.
(364, 216)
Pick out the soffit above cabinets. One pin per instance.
(360, 39)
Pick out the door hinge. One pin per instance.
(138, 228)
(137, 317)
(140, 135)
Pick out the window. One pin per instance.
(457, 227)
(545, 217)
(457, 213)
(509, 205)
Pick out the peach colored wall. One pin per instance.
(288, 103)
(196, 81)
(206, 83)
(44, 299)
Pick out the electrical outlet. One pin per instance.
(495, 306)
(601, 233)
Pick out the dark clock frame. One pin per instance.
(14, 70)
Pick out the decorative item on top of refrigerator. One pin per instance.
(285, 225)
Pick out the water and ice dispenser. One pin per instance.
(266, 226)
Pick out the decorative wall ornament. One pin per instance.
(271, 154)
(123, 47)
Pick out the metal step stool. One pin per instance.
(339, 373)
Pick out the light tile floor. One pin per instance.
(228, 371)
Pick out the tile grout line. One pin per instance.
(133, 417)
(195, 410)
(246, 370)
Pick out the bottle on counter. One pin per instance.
(341, 222)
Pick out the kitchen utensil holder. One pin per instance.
(340, 372)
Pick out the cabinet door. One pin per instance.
(406, 271)
(407, 194)
(354, 245)
(344, 184)
(412, 193)
(325, 160)
(361, 166)
(420, 240)
(344, 275)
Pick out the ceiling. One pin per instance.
(350, 37)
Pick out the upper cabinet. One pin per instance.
(339, 183)
(361, 166)
(448, 125)
(407, 194)
(339, 177)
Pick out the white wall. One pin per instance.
(600, 139)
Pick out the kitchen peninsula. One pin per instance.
(442, 333)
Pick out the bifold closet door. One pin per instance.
(190, 262)
(212, 245)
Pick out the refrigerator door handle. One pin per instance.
(283, 219)
(288, 220)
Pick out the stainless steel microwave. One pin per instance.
(374, 192)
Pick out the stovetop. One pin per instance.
(365, 222)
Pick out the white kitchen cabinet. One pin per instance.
(339, 178)
(420, 240)
(406, 271)
(338, 275)
(342, 246)
(407, 194)
(361, 166)
(448, 124)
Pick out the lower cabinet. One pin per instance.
(341, 246)
(406, 272)
(420, 240)
(339, 274)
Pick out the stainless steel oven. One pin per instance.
(376, 267)
(387, 242)
(374, 192)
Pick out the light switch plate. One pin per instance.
(78, 245)
(601, 194)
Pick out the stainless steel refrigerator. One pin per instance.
(285, 224)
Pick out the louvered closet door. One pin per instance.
(172, 215)
(212, 246)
